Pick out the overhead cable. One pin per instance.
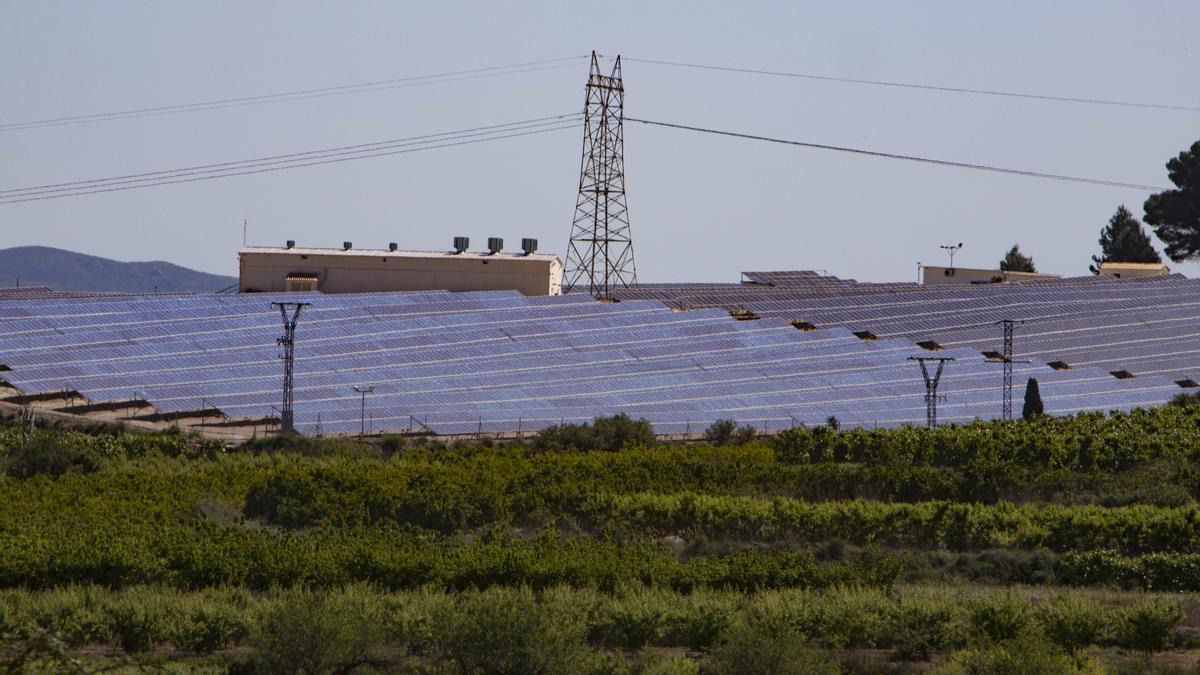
(395, 83)
(909, 158)
(192, 174)
(928, 87)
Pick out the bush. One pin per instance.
(1148, 625)
(604, 433)
(1027, 655)
(998, 618)
(756, 648)
(1071, 622)
(720, 432)
(506, 630)
(52, 455)
(315, 633)
(134, 626)
(919, 627)
(208, 629)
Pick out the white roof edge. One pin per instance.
(399, 253)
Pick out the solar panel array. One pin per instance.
(1145, 326)
(494, 362)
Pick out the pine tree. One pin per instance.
(1124, 240)
(1175, 214)
(1015, 261)
(1033, 400)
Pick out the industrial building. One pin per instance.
(933, 275)
(264, 269)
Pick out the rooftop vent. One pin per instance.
(1121, 374)
(291, 243)
(929, 346)
(743, 315)
(1187, 383)
(461, 244)
(1058, 365)
(347, 245)
(495, 245)
(392, 246)
(529, 246)
(803, 325)
(865, 335)
(993, 355)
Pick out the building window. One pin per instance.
(301, 282)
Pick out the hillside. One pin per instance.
(70, 271)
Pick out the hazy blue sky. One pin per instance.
(702, 208)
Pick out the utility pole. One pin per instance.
(600, 253)
(362, 418)
(931, 385)
(288, 342)
(1007, 361)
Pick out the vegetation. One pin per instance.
(1124, 240)
(1046, 545)
(1015, 261)
(1175, 214)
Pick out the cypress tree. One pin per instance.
(1033, 400)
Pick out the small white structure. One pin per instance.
(362, 270)
(933, 275)
(1126, 270)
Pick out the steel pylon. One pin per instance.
(600, 253)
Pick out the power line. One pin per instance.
(910, 158)
(445, 142)
(280, 159)
(928, 87)
(402, 82)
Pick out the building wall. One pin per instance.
(932, 275)
(341, 273)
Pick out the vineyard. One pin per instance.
(1051, 545)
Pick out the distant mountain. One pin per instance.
(69, 271)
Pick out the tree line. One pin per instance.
(1174, 216)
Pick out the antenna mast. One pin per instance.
(931, 385)
(288, 342)
(600, 253)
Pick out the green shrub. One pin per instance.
(135, 626)
(604, 433)
(919, 627)
(507, 631)
(998, 617)
(1071, 622)
(208, 629)
(316, 633)
(1027, 655)
(48, 454)
(756, 648)
(1148, 624)
(720, 432)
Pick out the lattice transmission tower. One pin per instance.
(600, 254)
(931, 385)
(1007, 360)
(288, 342)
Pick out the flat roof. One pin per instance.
(383, 252)
(1135, 265)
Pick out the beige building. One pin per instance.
(932, 275)
(362, 270)
(1131, 269)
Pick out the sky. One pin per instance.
(702, 208)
